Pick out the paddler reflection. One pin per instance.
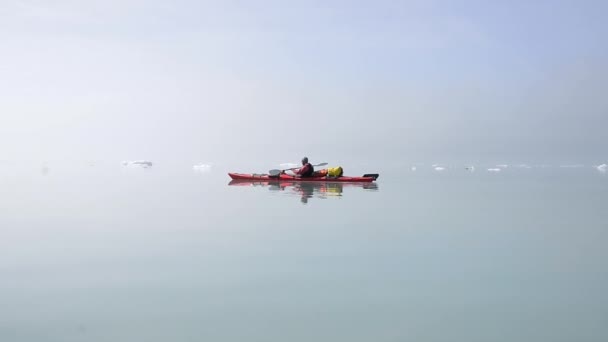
(307, 190)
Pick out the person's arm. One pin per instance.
(294, 172)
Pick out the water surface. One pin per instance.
(105, 253)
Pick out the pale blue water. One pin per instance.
(103, 253)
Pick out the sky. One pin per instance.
(276, 80)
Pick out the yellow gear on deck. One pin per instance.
(335, 171)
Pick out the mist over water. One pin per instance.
(110, 80)
(119, 121)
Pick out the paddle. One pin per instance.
(275, 172)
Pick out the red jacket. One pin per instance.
(306, 170)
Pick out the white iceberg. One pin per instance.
(413, 168)
(494, 170)
(142, 163)
(602, 168)
(202, 167)
(439, 168)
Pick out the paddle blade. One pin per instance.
(274, 173)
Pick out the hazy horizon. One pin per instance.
(345, 81)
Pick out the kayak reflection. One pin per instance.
(307, 190)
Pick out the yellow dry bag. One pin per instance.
(335, 171)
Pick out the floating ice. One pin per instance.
(142, 163)
(494, 170)
(413, 168)
(439, 168)
(523, 166)
(602, 168)
(202, 167)
(503, 166)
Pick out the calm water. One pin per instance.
(104, 253)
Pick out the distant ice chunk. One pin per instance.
(413, 168)
(602, 168)
(142, 163)
(494, 170)
(202, 167)
(439, 168)
(523, 166)
(502, 166)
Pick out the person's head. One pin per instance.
(304, 161)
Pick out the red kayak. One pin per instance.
(284, 177)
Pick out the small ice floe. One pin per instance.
(470, 168)
(602, 168)
(494, 170)
(202, 167)
(439, 168)
(142, 163)
(413, 168)
(502, 166)
(523, 166)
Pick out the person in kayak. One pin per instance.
(307, 170)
